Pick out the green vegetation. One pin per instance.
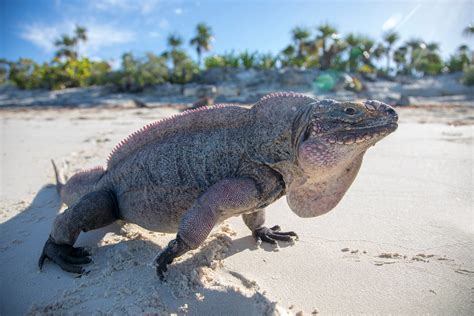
(57, 74)
(136, 74)
(202, 40)
(322, 48)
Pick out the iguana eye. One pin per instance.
(349, 111)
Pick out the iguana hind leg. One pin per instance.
(94, 210)
(255, 221)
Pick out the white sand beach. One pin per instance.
(400, 242)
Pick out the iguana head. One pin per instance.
(337, 132)
(329, 151)
(316, 145)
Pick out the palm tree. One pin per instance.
(176, 54)
(328, 31)
(463, 49)
(463, 53)
(433, 47)
(469, 30)
(288, 56)
(202, 40)
(430, 60)
(80, 33)
(300, 35)
(174, 41)
(354, 49)
(399, 56)
(68, 45)
(390, 38)
(368, 51)
(415, 45)
(379, 51)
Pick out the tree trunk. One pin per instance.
(388, 60)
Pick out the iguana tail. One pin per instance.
(59, 183)
(78, 185)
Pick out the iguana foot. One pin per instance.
(271, 235)
(65, 256)
(175, 248)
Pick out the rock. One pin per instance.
(403, 101)
(214, 76)
(139, 104)
(200, 91)
(165, 89)
(436, 86)
(296, 77)
(247, 75)
(205, 101)
(228, 90)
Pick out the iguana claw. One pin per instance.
(271, 235)
(66, 257)
(175, 248)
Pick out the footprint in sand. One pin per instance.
(394, 257)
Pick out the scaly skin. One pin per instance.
(190, 172)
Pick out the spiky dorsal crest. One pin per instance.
(289, 94)
(217, 116)
(281, 104)
(91, 170)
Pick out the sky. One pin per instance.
(28, 28)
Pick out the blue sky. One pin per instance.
(28, 27)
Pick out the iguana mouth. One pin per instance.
(360, 135)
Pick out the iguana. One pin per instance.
(191, 171)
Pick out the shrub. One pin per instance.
(58, 74)
(231, 60)
(21, 73)
(266, 61)
(4, 69)
(136, 74)
(215, 61)
(468, 77)
(248, 60)
(366, 69)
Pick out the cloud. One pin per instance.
(392, 22)
(106, 35)
(397, 20)
(154, 34)
(41, 36)
(178, 11)
(164, 24)
(111, 4)
(98, 36)
(143, 6)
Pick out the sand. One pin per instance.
(401, 240)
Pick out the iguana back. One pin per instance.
(218, 116)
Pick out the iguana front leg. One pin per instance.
(223, 199)
(255, 222)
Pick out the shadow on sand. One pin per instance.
(22, 238)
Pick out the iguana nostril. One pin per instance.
(391, 111)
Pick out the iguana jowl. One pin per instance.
(196, 169)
